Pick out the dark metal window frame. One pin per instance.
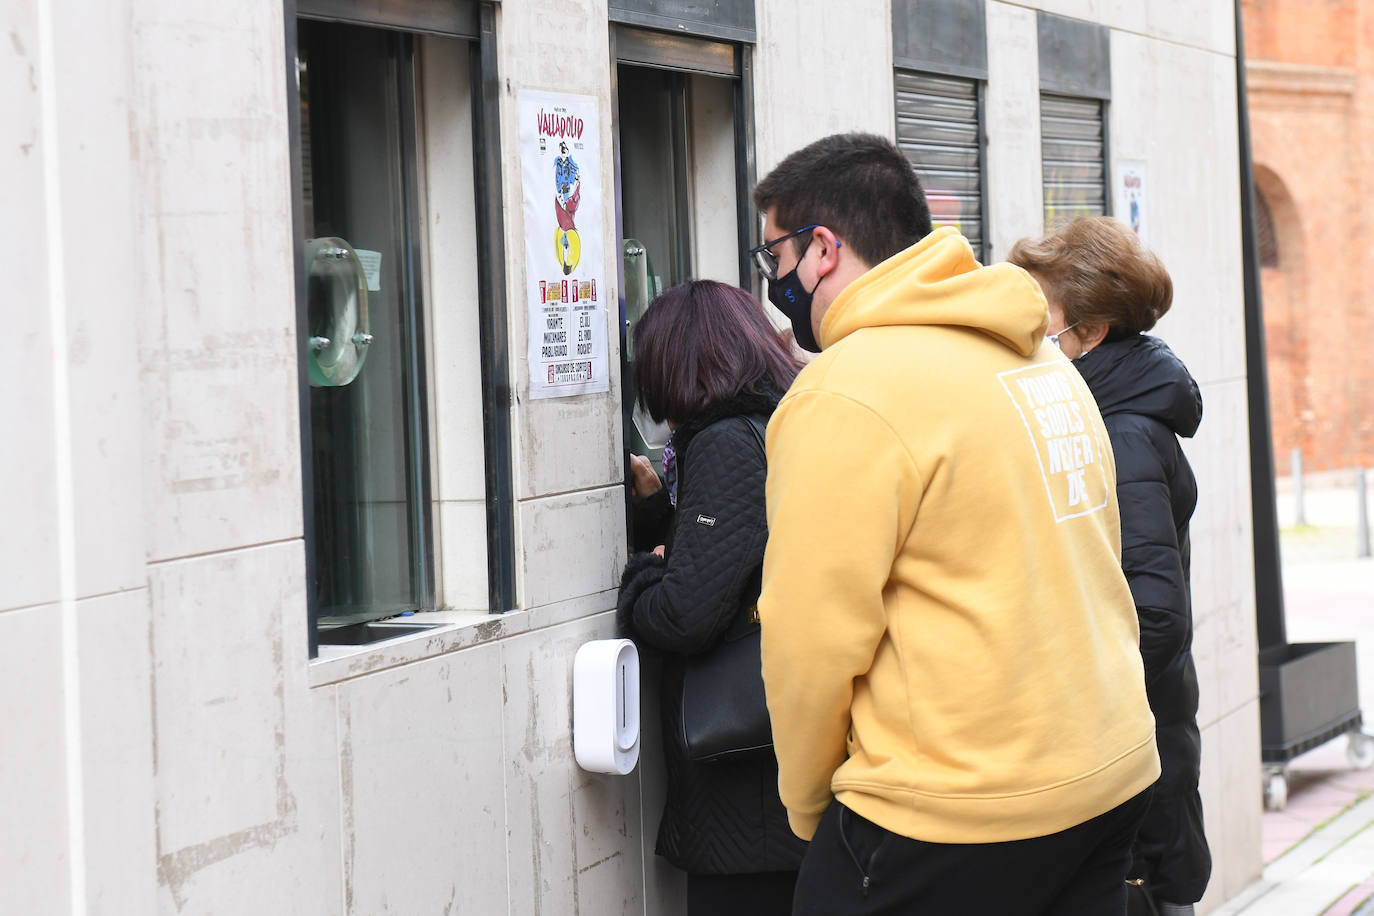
(1076, 62)
(726, 20)
(949, 38)
(1108, 197)
(1075, 56)
(943, 37)
(980, 90)
(475, 22)
(687, 54)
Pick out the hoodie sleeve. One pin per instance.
(842, 495)
(1150, 554)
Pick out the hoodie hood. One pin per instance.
(938, 281)
(1142, 375)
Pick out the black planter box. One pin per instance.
(1309, 694)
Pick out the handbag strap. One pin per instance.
(747, 621)
(758, 426)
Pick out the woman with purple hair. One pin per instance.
(708, 362)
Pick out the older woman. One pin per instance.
(710, 363)
(1104, 291)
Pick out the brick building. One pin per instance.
(1310, 73)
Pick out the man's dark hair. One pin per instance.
(858, 186)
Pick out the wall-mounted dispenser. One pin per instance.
(606, 706)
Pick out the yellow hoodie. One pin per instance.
(949, 645)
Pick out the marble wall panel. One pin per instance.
(28, 539)
(1015, 195)
(847, 50)
(571, 545)
(117, 751)
(216, 319)
(422, 770)
(574, 837)
(34, 862)
(101, 293)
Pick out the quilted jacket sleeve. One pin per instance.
(719, 532)
(652, 516)
(1150, 554)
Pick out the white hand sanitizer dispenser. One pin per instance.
(606, 706)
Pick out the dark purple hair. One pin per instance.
(703, 342)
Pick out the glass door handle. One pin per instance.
(336, 309)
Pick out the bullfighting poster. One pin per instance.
(560, 165)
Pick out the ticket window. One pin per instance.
(394, 304)
(367, 459)
(682, 167)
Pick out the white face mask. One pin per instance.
(1054, 338)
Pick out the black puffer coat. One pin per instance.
(1147, 400)
(724, 817)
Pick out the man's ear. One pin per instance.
(1090, 335)
(830, 250)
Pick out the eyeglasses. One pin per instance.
(764, 258)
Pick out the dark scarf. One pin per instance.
(746, 403)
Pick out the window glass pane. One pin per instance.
(653, 193)
(1072, 156)
(366, 456)
(652, 128)
(1264, 228)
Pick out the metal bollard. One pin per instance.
(1300, 518)
(1362, 515)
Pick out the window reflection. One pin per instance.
(366, 452)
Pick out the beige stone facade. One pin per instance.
(170, 746)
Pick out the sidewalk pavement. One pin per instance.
(1319, 851)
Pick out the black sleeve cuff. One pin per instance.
(642, 572)
(652, 516)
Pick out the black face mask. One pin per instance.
(793, 300)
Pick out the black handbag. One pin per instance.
(724, 713)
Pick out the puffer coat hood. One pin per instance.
(1141, 375)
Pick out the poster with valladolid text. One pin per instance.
(560, 172)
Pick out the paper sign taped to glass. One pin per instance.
(560, 173)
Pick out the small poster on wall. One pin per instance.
(1130, 197)
(560, 172)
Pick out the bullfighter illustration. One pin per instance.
(567, 180)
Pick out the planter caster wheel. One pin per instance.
(1360, 750)
(1275, 790)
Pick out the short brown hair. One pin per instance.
(858, 186)
(1097, 271)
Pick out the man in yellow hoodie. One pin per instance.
(950, 649)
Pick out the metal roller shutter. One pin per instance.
(1071, 153)
(938, 130)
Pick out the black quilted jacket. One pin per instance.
(725, 817)
(1147, 400)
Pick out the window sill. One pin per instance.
(457, 630)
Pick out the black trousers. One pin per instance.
(856, 868)
(761, 894)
